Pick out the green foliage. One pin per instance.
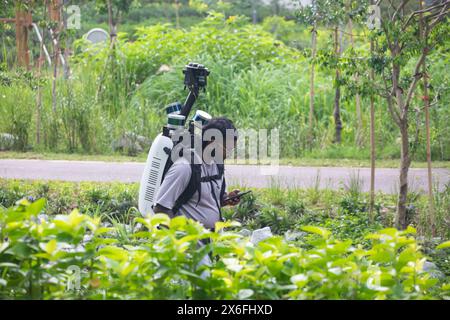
(36, 256)
(115, 200)
(17, 90)
(216, 38)
(259, 78)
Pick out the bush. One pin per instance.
(164, 263)
(16, 113)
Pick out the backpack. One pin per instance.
(195, 184)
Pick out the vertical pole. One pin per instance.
(177, 13)
(426, 101)
(254, 12)
(372, 142)
(337, 95)
(54, 11)
(23, 21)
(359, 121)
(54, 8)
(311, 86)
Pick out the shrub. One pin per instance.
(36, 254)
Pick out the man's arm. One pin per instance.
(160, 209)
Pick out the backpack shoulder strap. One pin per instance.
(193, 186)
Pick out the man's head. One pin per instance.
(222, 131)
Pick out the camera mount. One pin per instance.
(195, 78)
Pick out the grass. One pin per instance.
(300, 162)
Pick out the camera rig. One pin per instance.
(195, 79)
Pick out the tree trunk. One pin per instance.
(55, 75)
(427, 129)
(276, 7)
(55, 16)
(359, 137)
(254, 12)
(66, 53)
(311, 86)
(112, 24)
(426, 100)
(54, 9)
(400, 221)
(177, 13)
(405, 160)
(23, 21)
(337, 94)
(41, 61)
(372, 143)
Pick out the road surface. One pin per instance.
(243, 175)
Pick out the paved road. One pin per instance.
(244, 175)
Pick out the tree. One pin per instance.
(332, 15)
(352, 14)
(115, 9)
(318, 11)
(405, 36)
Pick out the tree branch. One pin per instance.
(439, 16)
(430, 9)
(394, 112)
(402, 5)
(416, 77)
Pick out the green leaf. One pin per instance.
(227, 224)
(3, 246)
(8, 265)
(49, 247)
(324, 233)
(444, 245)
(36, 207)
(299, 280)
(160, 218)
(410, 230)
(21, 250)
(114, 253)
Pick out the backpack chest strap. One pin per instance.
(211, 178)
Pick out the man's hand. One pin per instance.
(231, 202)
(161, 209)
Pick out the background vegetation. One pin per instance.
(259, 78)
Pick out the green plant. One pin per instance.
(154, 262)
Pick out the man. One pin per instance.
(204, 205)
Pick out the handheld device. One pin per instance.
(195, 79)
(239, 195)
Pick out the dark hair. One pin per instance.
(219, 123)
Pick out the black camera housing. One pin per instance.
(195, 76)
